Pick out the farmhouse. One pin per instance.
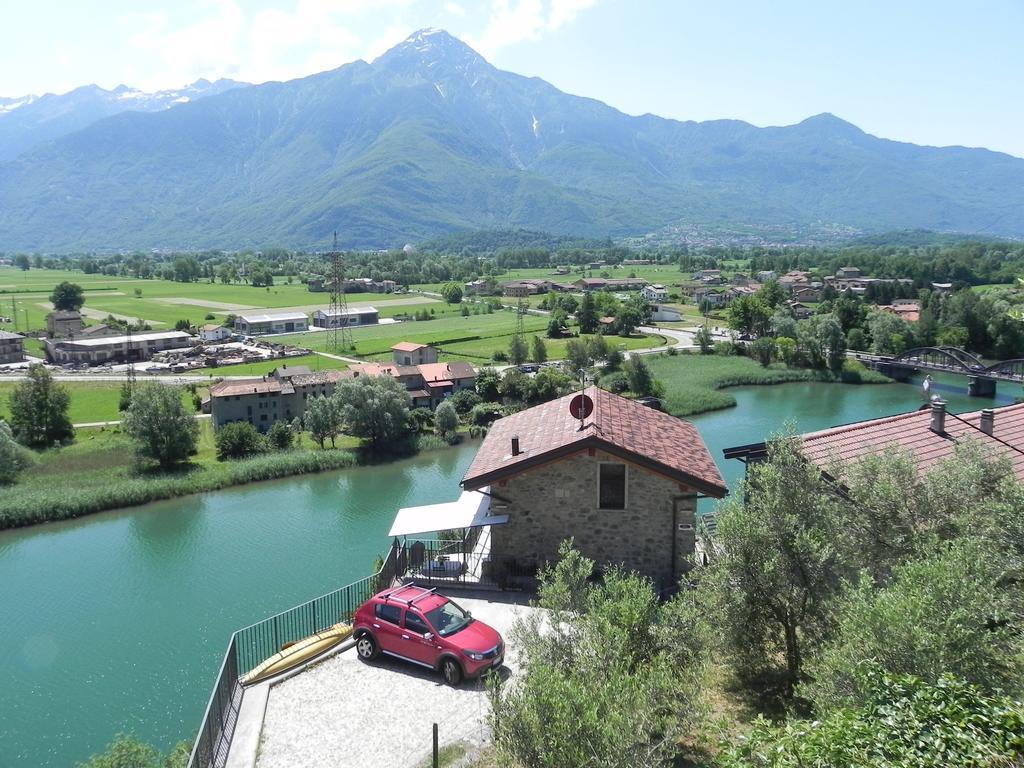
(655, 293)
(610, 284)
(623, 481)
(328, 318)
(214, 332)
(280, 395)
(255, 324)
(410, 353)
(427, 384)
(63, 323)
(523, 288)
(12, 347)
(115, 349)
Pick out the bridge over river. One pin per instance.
(981, 376)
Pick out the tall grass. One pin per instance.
(43, 500)
(693, 382)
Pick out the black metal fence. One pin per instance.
(465, 562)
(250, 646)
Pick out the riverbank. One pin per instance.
(97, 473)
(693, 382)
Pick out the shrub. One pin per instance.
(446, 421)
(485, 414)
(13, 458)
(421, 419)
(465, 400)
(614, 382)
(239, 439)
(281, 436)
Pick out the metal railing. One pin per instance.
(250, 646)
(467, 562)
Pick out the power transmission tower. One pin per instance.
(130, 372)
(520, 314)
(337, 315)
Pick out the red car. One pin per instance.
(421, 626)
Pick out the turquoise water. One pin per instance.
(118, 622)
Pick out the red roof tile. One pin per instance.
(623, 427)
(911, 431)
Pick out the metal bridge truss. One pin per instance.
(957, 360)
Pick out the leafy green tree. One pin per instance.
(129, 752)
(949, 612)
(163, 430)
(610, 680)
(705, 340)
(13, 458)
(821, 339)
(487, 381)
(21, 261)
(39, 410)
(375, 409)
(238, 440)
(952, 336)
(67, 297)
(280, 435)
(515, 386)
(783, 323)
(452, 293)
(261, 276)
(906, 722)
(323, 419)
(446, 420)
(771, 294)
(598, 347)
(763, 350)
(586, 315)
(538, 350)
(749, 315)
(549, 384)
(786, 347)
(577, 355)
(856, 339)
(889, 333)
(465, 400)
(776, 565)
(124, 400)
(517, 350)
(641, 382)
(557, 324)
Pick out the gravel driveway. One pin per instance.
(345, 712)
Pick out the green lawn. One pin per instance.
(314, 362)
(90, 400)
(666, 274)
(693, 383)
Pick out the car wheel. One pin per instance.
(451, 671)
(366, 647)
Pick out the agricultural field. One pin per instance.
(666, 274)
(24, 296)
(91, 401)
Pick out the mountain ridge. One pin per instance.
(430, 138)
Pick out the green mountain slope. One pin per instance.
(431, 139)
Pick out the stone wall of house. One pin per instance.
(557, 500)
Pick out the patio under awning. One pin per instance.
(471, 510)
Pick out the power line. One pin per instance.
(338, 317)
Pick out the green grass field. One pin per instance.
(91, 401)
(164, 302)
(693, 383)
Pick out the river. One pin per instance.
(117, 622)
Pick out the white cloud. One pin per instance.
(513, 21)
(455, 9)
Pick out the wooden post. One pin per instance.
(435, 763)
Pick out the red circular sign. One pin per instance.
(581, 406)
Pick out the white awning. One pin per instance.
(472, 510)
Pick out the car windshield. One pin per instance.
(448, 618)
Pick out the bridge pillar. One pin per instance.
(981, 386)
(895, 370)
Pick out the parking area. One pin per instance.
(343, 711)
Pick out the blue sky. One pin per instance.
(937, 72)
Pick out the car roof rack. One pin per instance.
(424, 593)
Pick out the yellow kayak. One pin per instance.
(297, 653)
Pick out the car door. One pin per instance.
(414, 638)
(387, 627)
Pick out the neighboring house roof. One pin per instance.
(66, 314)
(213, 327)
(9, 335)
(346, 312)
(285, 372)
(246, 387)
(408, 346)
(910, 431)
(271, 317)
(643, 436)
(135, 338)
(446, 371)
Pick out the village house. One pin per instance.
(807, 293)
(12, 347)
(523, 288)
(765, 275)
(213, 332)
(908, 309)
(795, 278)
(115, 349)
(610, 284)
(63, 323)
(655, 293)
(929, 435)
(621, 479)
(428, 384)
(411, 353)
(345, 318)
(476, 288)
(280, 395)
(259, 323)
(98, 331)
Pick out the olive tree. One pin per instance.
(163, 430)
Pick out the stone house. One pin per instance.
(280, 395)
(411, 353)
(12, 347)
(428, 384)
(63, 323)
(623, 482)
(214, 332)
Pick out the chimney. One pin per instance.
(988, 421)
(515, 445)
(938, 425)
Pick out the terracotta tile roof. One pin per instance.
(439, 371)
(642, 435)
(246, 387)
(408, 346)
(911, 431)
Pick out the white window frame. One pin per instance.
(625, 486)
